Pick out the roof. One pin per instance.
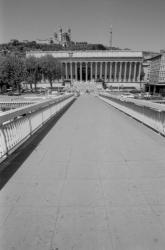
(154, 57)
(87, 54)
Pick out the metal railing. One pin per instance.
(151, 114)
(6, 105)
(16, 126)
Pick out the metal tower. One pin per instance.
(110, 41)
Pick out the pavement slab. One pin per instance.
(96, 181)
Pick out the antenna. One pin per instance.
(110, 41)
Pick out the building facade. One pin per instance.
(114, 67)
(63, 38)
(146, 70)
(43, 41)
(157, 74)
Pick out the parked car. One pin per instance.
(126, 95)
(27, 91)
(147, 94)
(13, 93)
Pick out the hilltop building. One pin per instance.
(60, 37)
(63, 38)
(44, 41)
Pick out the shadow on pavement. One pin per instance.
(16, 159)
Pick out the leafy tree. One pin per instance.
(14, 42)
(12, 71)
(33, 71)
(3, 73)
(50, 68)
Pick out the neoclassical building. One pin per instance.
(114, 67)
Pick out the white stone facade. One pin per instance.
(110, 66)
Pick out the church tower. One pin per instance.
(60, 35)
(69, 34)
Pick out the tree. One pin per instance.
(50, 68)
(12, 71)
(3, 73)
(33, 71)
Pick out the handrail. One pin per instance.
(17, 125)
(16, 102)
(11, 114)
(6, 105)
(138, 102)
(150, 114)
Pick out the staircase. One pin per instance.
(84, 87)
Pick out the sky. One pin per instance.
(137, 24)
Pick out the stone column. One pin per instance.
(125, 71)
(135, 66)
(42, 77)
(91, 66)
(120, 71)
(61, 68)
(139, 73)
(149, 88)
(76, 71)
(105, 71)
(66, 69)
(101, 69)
(130, 69)
(86, 71)
(71, 71)
(110, 72)
(115, 78)
(94, 63)
(154, 90)
(80, 71)
(95, 70)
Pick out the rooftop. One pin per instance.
(89, 53)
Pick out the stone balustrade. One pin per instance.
(151, 114)
(16, 126)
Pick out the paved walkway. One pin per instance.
(95, 182)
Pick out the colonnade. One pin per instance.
(110, 71)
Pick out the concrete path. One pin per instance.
(95, 182)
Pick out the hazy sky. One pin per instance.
(137, 24)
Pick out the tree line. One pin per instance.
(21, 47)
(15, 70)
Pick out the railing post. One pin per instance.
(163, 121)
(50, 105)
(42, 116)
(30, 124)
(159, 121)
(5, 141)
